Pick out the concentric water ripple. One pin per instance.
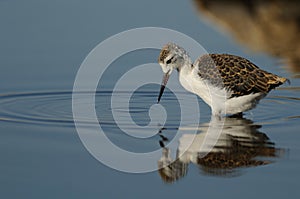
(278, 108)
(55, 108)
(37, 107)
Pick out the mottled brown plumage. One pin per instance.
(229, 84)
(236, 74)
(163, 55)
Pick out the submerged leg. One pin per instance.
(237, 115)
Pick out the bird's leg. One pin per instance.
(237, 115)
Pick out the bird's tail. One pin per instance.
(275, 81)
(283, 80)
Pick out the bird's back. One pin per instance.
(236, 74)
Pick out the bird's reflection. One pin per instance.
(268, 26)
(239, 144)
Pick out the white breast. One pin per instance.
(243, 103)
(217, 98)
(213, 96)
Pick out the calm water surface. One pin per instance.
(42, 47)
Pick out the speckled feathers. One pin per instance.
(236, 74)
(229, 84)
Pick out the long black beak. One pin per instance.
(163, 85)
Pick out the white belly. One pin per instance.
(244, 103)
(217, 98)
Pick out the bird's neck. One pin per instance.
(186, 63)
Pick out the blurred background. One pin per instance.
(270, 26)
(43, 44)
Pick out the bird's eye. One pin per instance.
(169, 60)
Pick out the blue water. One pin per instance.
(43, 44)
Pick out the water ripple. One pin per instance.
(55, 107)
(37, 107)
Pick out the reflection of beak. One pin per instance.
(163, 85)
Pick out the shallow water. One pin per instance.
(43, 156)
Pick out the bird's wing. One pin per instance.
(236, 74)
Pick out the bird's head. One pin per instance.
(171, 57)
